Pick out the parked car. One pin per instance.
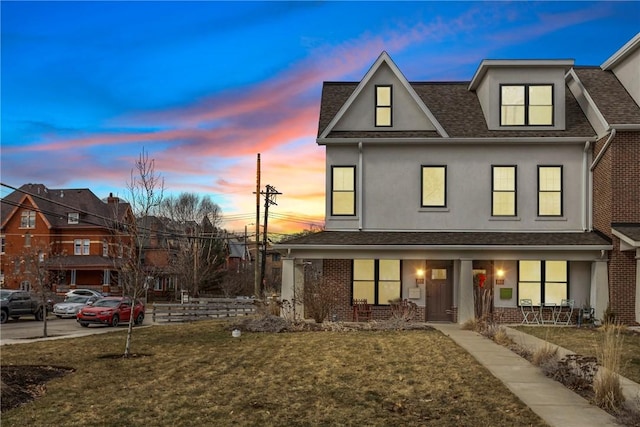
(84, 293)
(70, 307)
(15, 303)
(111, 311)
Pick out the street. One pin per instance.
(27, 329)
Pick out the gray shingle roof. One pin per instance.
(456, 108)
(383, 238)
(630, 230)
(612, 99)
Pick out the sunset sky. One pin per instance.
(205, 86)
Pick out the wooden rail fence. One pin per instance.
(210, 308)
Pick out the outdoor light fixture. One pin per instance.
(499, 276)
(419, 277)
(500, 273)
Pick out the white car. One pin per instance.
(72, 305)
(84, 293)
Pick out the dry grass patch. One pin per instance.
(197, 374)
(584, 341)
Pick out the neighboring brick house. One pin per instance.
(72, 229)
(430, 185)
(158, 246)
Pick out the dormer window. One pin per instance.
(383, 106)
(73, 218)
(526, 105)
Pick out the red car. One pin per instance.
(111, 311)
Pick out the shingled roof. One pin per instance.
(497, 239)
(455, 107)
(56, 204)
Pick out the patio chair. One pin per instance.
(565, 313)
(529, 313)
(361, 310)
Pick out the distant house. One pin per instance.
(158, 247)
(528, 175)
(75, 233)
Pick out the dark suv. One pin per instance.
(14, 304)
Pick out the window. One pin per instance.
(73, 218)
(549, 190)
(25, 286)
(81, 246)
(503, 191)
(158, 284)
(28, 219)
(2, 244)
(434, 179)
(526, 105)
(383, 106)
(27, 240)
(543, 281)
(343, 190)
(105, 248)
(377, 281)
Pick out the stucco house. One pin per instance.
(73, 233)
(528, 174)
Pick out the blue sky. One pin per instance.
(205, 86)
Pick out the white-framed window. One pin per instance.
(549, 190)
(27, 240)
(383, 106)
(503, 190)
(105, 248)
(81, 246)
(343, 190)
(376, 280)
(434, 186)
(526, 105)
(543, 281)
(73, 218)
(158, 284)
(25, 285)
(28, 219)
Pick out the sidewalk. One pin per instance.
(550, 400)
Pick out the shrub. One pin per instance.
(606, 384)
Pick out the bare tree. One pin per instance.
(195, 220)
(145, 194)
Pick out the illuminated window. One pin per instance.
(543, 281)
(503, 191)
(526, 105)
(434, 180)
(343, 190)
(377, 281)
(383, 106)
(549, 190)
(28, 219)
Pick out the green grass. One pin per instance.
(584, 341)
(197, 374)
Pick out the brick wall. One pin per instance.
(625, 179)
(622, 283)
(602, 190)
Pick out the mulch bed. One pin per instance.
(22, 384)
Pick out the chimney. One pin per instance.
(111, 199)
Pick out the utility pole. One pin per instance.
(269, 199)
(256, 272)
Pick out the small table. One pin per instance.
(549, 313)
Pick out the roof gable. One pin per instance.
(384, 71)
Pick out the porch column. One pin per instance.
(292, 285)
(465, 291)
(599, 287)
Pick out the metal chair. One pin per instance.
(565, 313)
(529, 313)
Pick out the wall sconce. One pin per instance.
(499, 276)
(419, 277)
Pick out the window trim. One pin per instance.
(28, 219)
(444, 190)
(385, 107)
(514, 191)
(560, 191)
(342, 191)
(84, 246)
(73, 218)
(376, 278)
(543, 281)
(527, 104)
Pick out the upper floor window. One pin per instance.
(27, 240)
(2, 244)
(105, 248)
(28, 219)
(544, 282)
(503, 191)
(434, 179)
(73, 218)
(377, 281)
(549, 190)
(526, 105)
(81, 246)
(383, 105)
(343, 190)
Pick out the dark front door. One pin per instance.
(439, 286)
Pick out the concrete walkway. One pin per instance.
(549, 399)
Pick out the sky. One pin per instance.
(203, 87)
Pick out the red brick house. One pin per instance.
(75, 233)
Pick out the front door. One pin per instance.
(439, 287)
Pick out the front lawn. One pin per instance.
(584, 341)
(198, 374)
